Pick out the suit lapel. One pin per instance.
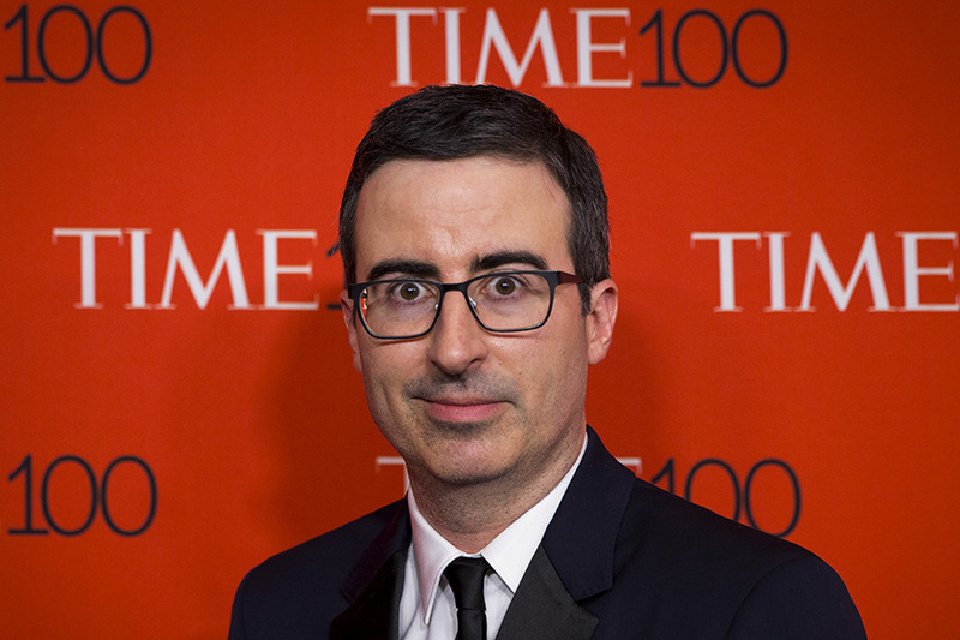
(376, 584)
(575, 561)
(542, 609)
(374, 613)
(581, 540)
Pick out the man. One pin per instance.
(474, 239)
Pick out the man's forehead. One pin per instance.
(460, 214)
(403, 179)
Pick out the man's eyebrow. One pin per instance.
(413, 268)
(500, 258)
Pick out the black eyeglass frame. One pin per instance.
(553, 278)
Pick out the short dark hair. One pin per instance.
(458, 121)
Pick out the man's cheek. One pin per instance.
(384, 399)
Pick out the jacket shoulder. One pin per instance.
(296, 592)
(709, 573)
(678, 528)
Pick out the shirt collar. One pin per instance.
(508, 554)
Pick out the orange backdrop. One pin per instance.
(178, 400)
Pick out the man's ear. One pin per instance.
(346, 308)
(604, 299)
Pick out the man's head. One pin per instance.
(444, 123)
(464, 403)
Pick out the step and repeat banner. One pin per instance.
(178, 399)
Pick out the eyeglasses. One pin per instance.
(501, 302)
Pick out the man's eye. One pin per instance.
(408, 291)
(506, 286)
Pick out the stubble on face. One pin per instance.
(460, 453)
(429, 396)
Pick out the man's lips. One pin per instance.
(461, 409)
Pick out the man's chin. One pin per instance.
(467, 477)
(466, 463)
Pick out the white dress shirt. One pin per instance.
(427, 608)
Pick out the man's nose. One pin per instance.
(457, 340)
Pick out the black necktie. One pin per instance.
(465, 576)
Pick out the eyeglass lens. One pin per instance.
(500, 301)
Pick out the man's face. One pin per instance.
(463, 405)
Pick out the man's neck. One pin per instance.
(470, 516)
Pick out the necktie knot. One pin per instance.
(466, 576)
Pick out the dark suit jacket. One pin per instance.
(620, 559)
